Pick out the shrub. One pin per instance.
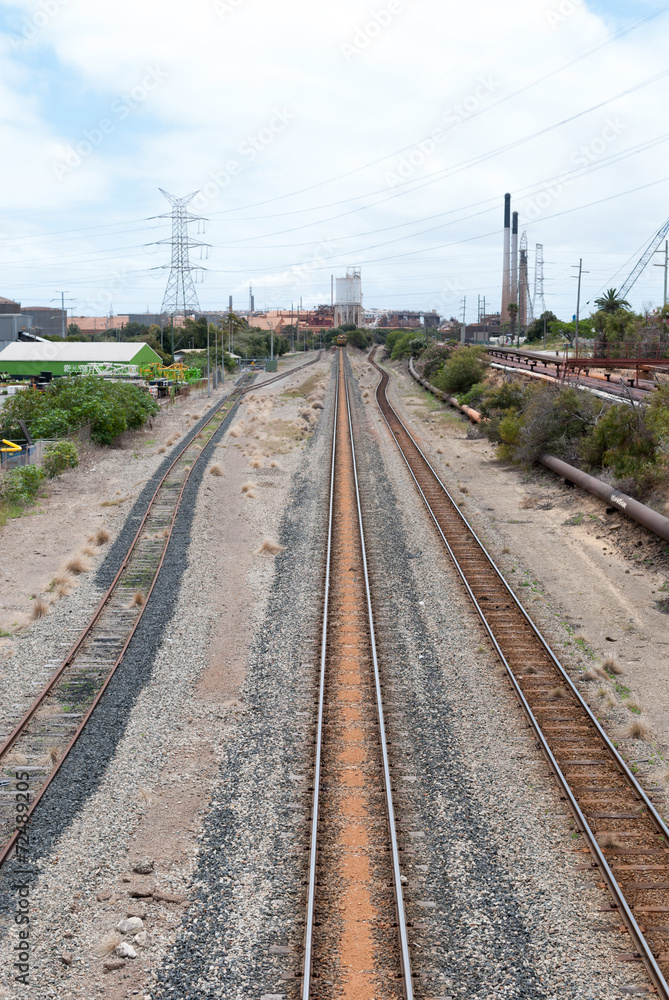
(70, 403)
(60, 456)
(463, 370)
(624, 441)
(19, 487)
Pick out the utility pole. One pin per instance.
(63, 313)
(666, 268)
(172, 335)
(208, 363)
(578, 299)
(215, 358)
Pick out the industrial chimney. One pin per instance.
(506, 277)
(514, 258)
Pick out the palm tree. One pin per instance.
(611, 303)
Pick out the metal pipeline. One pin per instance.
(639, 512)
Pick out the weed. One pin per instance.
(108, 943)
(216, 470)
(612, 666)
(248, 487)
(610, 840)
(39, 610)
(138, 600)
(100, 538)
(637, 730)
(77, 566)
(272, 548)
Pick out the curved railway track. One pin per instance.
(34, 751)
(356, 936)
(626, 837)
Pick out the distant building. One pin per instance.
(9, 306)
(99, 324)
(12, 325)
(348, 299)
(47, 322)
(24, 360)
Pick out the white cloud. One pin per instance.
(360, 90)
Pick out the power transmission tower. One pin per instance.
(539, 301)
(180, 295)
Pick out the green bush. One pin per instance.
(19, 487)
(60, 456)
(463, 370)
(110, 408)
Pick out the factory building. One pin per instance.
(348, 300)
(23, 360)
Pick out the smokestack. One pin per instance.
(506, 277)
(514, 259)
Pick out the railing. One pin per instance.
(629, 350)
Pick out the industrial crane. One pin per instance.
(643, 260)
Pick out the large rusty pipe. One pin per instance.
(657, 523)
(639, 512)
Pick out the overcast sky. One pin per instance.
(327, 135)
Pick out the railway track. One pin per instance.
(34, 751)
(536, 365)
(356, 936)
(626, 838)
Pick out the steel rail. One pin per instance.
(397, 879)
(233, 397)
(313, 856)
(397, 882)
(615, 890)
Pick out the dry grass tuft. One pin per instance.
(440, 451)
(145, 795)
(108, 943)
(16, 757)
(234, 432)
(463, 489)
(506, 551)
(100, 538)
(274, 464)
(556, 693)
(64, 589)
(610, 840)
(256, 463)
(77, 566)
(88, 551)
(216, 470)
(47, 711)
(317, 405)
(138, 600)
(272, 548)
(39, 609)
(632, 706)
(247, 487)
(251, 495)
(637, 730)
(51, 757)
(612, 666)
(528, 502)
(162, 449)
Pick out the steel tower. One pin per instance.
(180, 295)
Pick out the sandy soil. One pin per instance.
(98, 494)
(594, 581)
(230, 570)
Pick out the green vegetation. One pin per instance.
(109, 408)
(60, 456)
(464, 369)
(18, 489)
(402, 343)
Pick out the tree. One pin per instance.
(611, 302)
(512, 309)
(535, 330)
(74, 330)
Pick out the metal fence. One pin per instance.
(31, 454)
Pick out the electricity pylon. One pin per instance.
(180, 295)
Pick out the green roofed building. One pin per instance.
(23, 360)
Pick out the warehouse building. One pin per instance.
(23, 360)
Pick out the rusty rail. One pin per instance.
(615, 816)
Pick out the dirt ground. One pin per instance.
(230, 570)
(97, 494)
(595, 582)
